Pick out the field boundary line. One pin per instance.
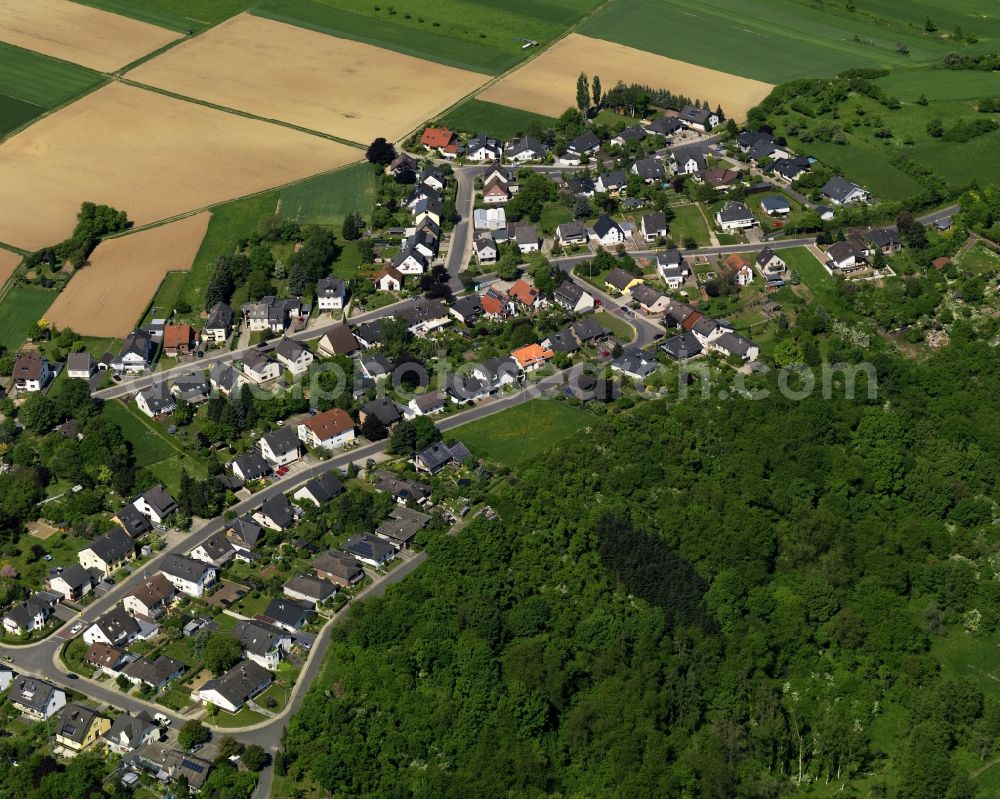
(236, 112)
(105, 80)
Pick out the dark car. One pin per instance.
(71, 676)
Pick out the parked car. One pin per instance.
(76, 628)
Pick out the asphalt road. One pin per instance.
(461, 233)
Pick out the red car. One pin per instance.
(282, 471)
(597, 302)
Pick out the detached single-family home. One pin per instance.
(331, 429)
(588, 330)
(635, 363)
(653, 226)
(260, 368)
(718, 177)
(78, 727)
(608, 232)
(136, 353)
(224, 379)
(216, 550)
(402, 526)
(426, 404)
(651, 170)
(389, 278)
(132, 521)
(35, 698)
(688, 161)
(467, 310)
(191, 387)
(320, 489)
(31, 372)
(287, 614)
(524, 149)
(244, 534)
(629, 134)
(574, 299)
(155, 504)
(375, 366)
(883, 239)
(847, 256)
(435, 457)
(115, 628)
(699, 119)
(423, 316)
(431, 176)
(308, 588)
(80, 365)
(663, 125)
(744, 275)
(275, 513)
(496, 191)
(236, 687)
(489, 219)
(381, 408)
(483, 148)
(179, 340)
(672, 267)
(486, 250)
(532, 357)
(370, 549)
(527, 238)
(30, 615)
(790, 169)
(250, 466)
(610, 181)
(151, 598)
(730, 343)
(570, 233)
(338, 340)
(331, 294)
(776, 205)
(735, 216)
(191, 577)
(621, 281)
(128, 732)
(525, 294)
(841, 191)
(443, 140)
(280, 447)
(155, 400)
(271, 313)
(219, 324)
(73, 582)
(410, 262)
(770, 263)
(153, 673)
(293, 355)
(107, 553)
(403, 167)
(262, 643)
(682, 346)
(338, 568)
(650, 300)
(586, 144)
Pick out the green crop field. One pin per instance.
(781, 40)
(476, 116)
(31, 84)
(177, 15)
(521, 432)
(21, 308)
(327, 199)
(477, 36)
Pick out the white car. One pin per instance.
(160, 718)
(76, 628)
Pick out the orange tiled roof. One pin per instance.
(177, 335)
(531, 354)
(329, 423)
(523, 292)
(437, 137)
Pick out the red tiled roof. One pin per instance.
(688, 323)
(437, 137)
(533, 353)
(493, 303)
(329, 423)
(523, 292)
(177, 335)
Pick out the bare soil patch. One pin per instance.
(8, 263)
(81, 34)
(319, 82)
(155, 157)
(107, 297)
(547, 84)
(41, 529)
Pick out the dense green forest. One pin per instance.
(699, 599)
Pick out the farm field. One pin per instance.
(471, 35)
(20, 309)
(548, 83)
(194, 156)
(335, 86)
(108, 297)
(8, 263)
(77, 33)
(177, 15)
(328, 199)
(521, 432)
(475, 116)
(780, 41)
(31, 84)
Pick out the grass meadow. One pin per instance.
(22, 306)
(328, 199)
(477, 116)
(31, 84)
(176, 15)
(480, 37)
(521, 432)
(689, 222)
(149, 444)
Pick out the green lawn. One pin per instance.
(177, 15)
(61, 546)
(168, 470)
(781, 40)
(328, 199)
(975, 659)
(241, 718)
(619, 328)
(553, 215)
(478, 36)
(21, 308)
(517, 434)
(689, 222)
(978, 260)
(149, 443)
(31, 84)
(476, 116)
(167, 296)
(814, 276)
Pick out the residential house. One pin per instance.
(790, 169)
(309, 589)
(841, 191)
(270, 313)
(191, 577)
(287, 614)
(735, 216)
(610, 182)
(236, 687)
(608, 232)
(847, 256)
(483, 148)
(682, 346)
(276, 513)
(426, 404)
(244, 534)
(331, 294)
(375, 366)
(262, 643)
(155, 504)
(730, 343)
(443, 140)
(191, 387)
(403, 167)
(280, 447)
(423, 316)
(650, 300)
(562, 341)
(688, 160)
(525, 294)
(496, 191)
(370, 549)
(776, 205)
(435, 457)
(293, 355)
(136, 353)
(402, 526)
(581, 187)
(216, 550)
(338, 340)
(527, 238)
(401, 490)
(588, 331)
(467, 310)
(72, 582)
(632, 133)
(531, 357)
(635, 363)
(743, 275)
(885, 240)
(127, 732)
(28, 616)
(105, 658)
(320, 489)
(338, 568)
(719, 177)
(107, 553)
(78, 727)
(524, 149)
(80, 365)
(422, 241)
(36, 699)
(699, 119)
(572, 297)
(672, 267)
(224, 378)
(153, 673)
(621, 281)
(651, 170)
(431, 176)
(179, 340)
(260, 368)
(495, 304)
(331, 429)
(486, 250)
(250, 466)
(653, 226)
(584, 145)
(570, 233)
(410, 262)
(151, 598)
(219, 324)
(381, 408)
(31, 372)
(663, 125)
(115, 628)
(770, 264)
(155, 400)
(389, 278)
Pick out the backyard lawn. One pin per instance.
(149, 444)
(621, 329)
(22, 306)
(688, 222)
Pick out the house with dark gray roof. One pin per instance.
(153, 673)
(189, 576)
(107, 553)
(571, 233)
(320, 489)
(587, 330)
(370, 549)
(688, 160)
(280, 447)
(236, 687)
(585, 144)
(215, 550)
(288, 614)
(250, 466)
(71, 582)
(841, 191)
(156, 504)
(635, 363)
(308, 588)
(735, 216)
(244, 533)
(468, 309)
(36, 699)
(223, 378)
(562, 341)
(219, 324)
(664, 125)
(331, 293)
(338, 568)
(78, 727)
(790, 169)
(276, 512)
(115, 628)
(136, 353)
(132, 521)
(700, 119)
(155, 400)
(129, 732)
(262, 643)
(650, 170)
(524, 149)
(381, 408)
(682, 346)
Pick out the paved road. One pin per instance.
(461, 234)
(936, 216)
